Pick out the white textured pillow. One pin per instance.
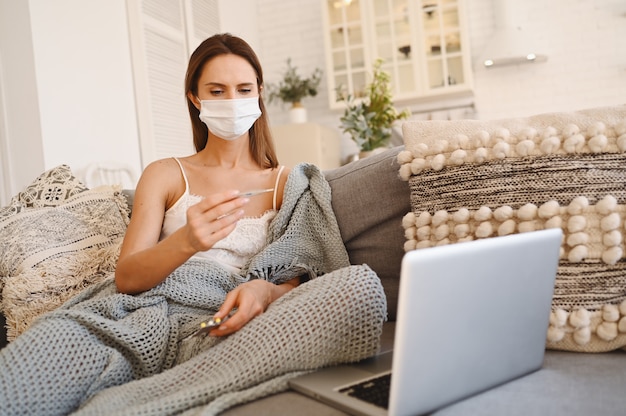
(48, 254)
(49, 189)
(474, 179)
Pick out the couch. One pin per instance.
(371, 201)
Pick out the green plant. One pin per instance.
(293, 88)
(368, 120)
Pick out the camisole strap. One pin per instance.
(184, 176)
(280, 171)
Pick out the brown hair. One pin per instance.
(261, 143)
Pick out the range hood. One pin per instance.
(510, 44)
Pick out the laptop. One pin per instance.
(471, 316)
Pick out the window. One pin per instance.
(423, 45)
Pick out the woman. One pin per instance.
(236, 153)
(271, 267)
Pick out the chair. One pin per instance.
(110, 173)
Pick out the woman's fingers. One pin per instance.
(219, 205)
(213, 218)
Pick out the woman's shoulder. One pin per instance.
(162, 170)
(162, 177)
(284, 170)
(162, 165)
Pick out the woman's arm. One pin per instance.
(145, 261)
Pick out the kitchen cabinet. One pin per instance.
(423, 44)
(307, 142)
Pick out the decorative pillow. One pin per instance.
(49, 253)
(474, 179)
(50, 189)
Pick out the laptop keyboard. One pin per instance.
(373, 390)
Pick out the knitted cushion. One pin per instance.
(49, 253)
(474, 179)
(50, 189)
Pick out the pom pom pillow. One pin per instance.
(473, 179)
(56, 238)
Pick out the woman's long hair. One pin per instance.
(261, 143)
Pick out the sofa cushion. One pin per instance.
(49, 252)
(477, 179)
(369, 200)
(49, 189)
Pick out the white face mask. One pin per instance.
(229, 119)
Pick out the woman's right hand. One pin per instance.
(212, 219)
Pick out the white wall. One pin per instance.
(67, 86)
(21, 151)
(585, 41)
(84, 79)
(240, 18)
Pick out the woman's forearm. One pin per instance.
(281, 289)
(145, 269)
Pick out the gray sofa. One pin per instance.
(370, 200)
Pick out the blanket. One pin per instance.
(112, 353)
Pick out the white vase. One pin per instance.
(297, 114)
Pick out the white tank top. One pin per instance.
(233, 251)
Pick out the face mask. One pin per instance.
(229, 119)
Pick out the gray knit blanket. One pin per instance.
(109, 353)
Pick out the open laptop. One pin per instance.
(471, 316)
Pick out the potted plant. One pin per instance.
(293, 88)
(369, 119)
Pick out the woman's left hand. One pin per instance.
(251, 299)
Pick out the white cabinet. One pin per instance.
(307, 142)
(423, 43)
